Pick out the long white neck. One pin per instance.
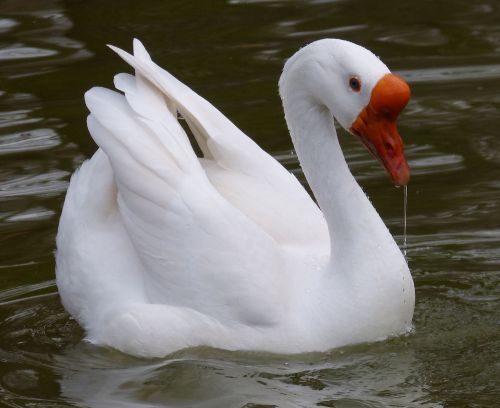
(354, 225)
(366, 281)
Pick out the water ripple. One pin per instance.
(448, 74)
(7, 24)
(27, 141)
(20, 51)
(429, 37)
(17, 118)
(21, 291)
(326, 32)
(46, 184)
(31, 214)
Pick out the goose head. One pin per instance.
(360, 93)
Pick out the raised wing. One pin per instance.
(243, 173)
(192, 242)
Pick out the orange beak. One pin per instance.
(376, 126)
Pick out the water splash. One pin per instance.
(405, 203)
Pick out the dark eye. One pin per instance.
(355, 84)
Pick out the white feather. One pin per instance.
(159, 249)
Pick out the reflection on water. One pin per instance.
(232, 52)
(221, 379)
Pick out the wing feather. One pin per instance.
(190, 239)
(243, 171)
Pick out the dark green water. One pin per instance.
(232, 53)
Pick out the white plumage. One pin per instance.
(160, 250)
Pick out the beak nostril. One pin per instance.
(389, 148)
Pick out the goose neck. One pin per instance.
(347, 210)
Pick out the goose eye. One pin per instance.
(355, 84)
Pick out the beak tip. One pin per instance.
(402, 177)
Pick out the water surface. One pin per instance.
(232, 53)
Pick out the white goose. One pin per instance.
(159, 249)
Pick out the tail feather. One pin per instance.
(207, 123)
(136, 152)
(141, 53)
(151, 108)
(218, 138)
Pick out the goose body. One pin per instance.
(159, 249)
